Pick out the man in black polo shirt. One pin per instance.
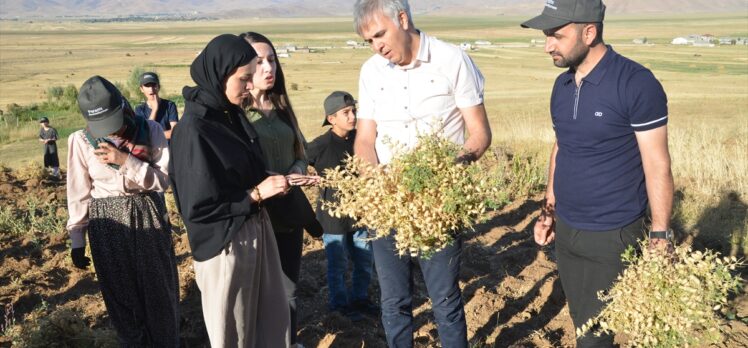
(610, 159)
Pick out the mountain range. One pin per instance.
(324, 8)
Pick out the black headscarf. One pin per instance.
(213, 65)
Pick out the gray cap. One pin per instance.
(148, 77)
(101, 105)
(558, 13)
(336, 101)
(44, 119)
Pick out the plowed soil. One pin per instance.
(511, 290)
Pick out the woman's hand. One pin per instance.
(108, 154)
(271, 186)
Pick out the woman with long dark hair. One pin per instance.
(116, 171)
(270, 111)
(220, 184)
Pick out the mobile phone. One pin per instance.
(104, 140)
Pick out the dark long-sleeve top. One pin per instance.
(49, 134)
(328, 151)
(277, 140)
(216, 159)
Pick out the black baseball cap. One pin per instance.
(101, 105)
(558, 13)
(43, 119)
(336, 101)
(149, 77)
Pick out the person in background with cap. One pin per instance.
(116, 167)
(341, 238)
(413, 83)
(610, 158)
(163, 111)
(220, 185)
(48, 136)
(269, 109)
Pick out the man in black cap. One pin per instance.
(609, 162)
(341, 239)
(48, 136)
(163, 111)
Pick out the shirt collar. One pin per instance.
(597, 73)
(423, 55)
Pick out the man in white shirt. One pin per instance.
(413, 84)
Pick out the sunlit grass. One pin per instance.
(707, 87)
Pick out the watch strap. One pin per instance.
(661, 235)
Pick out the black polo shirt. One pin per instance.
(325, 152)
(599, 179)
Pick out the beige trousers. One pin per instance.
(244, 303)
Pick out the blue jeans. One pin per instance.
(441, 275)
(338, 248)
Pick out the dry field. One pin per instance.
(511, 289)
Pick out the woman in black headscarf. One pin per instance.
(219, 183)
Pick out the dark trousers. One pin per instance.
(135, 264)
(441, 275)
(289, 249)
(589, 261)
(51, 159)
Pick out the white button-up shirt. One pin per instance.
(421, 98)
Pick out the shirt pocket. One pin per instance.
(432, 96)
(385, 100)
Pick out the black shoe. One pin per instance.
(354, 315)
(366, 307)
(347, 312)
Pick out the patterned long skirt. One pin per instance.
(132, 250)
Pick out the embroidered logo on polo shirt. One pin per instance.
(599, 113)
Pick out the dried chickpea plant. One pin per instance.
(422, 194)
(664, 300)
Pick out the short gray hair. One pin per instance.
(363, 10)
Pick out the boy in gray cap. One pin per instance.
(341, 239)
(610, 160)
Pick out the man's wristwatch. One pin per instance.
(667, 234)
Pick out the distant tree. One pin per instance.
(15, 109)
(133, 84)
(70, 96)
(54, 93)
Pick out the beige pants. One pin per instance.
(244, 303)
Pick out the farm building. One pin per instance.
(703, 43)
(466, 46)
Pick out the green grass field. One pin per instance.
(707, 87)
